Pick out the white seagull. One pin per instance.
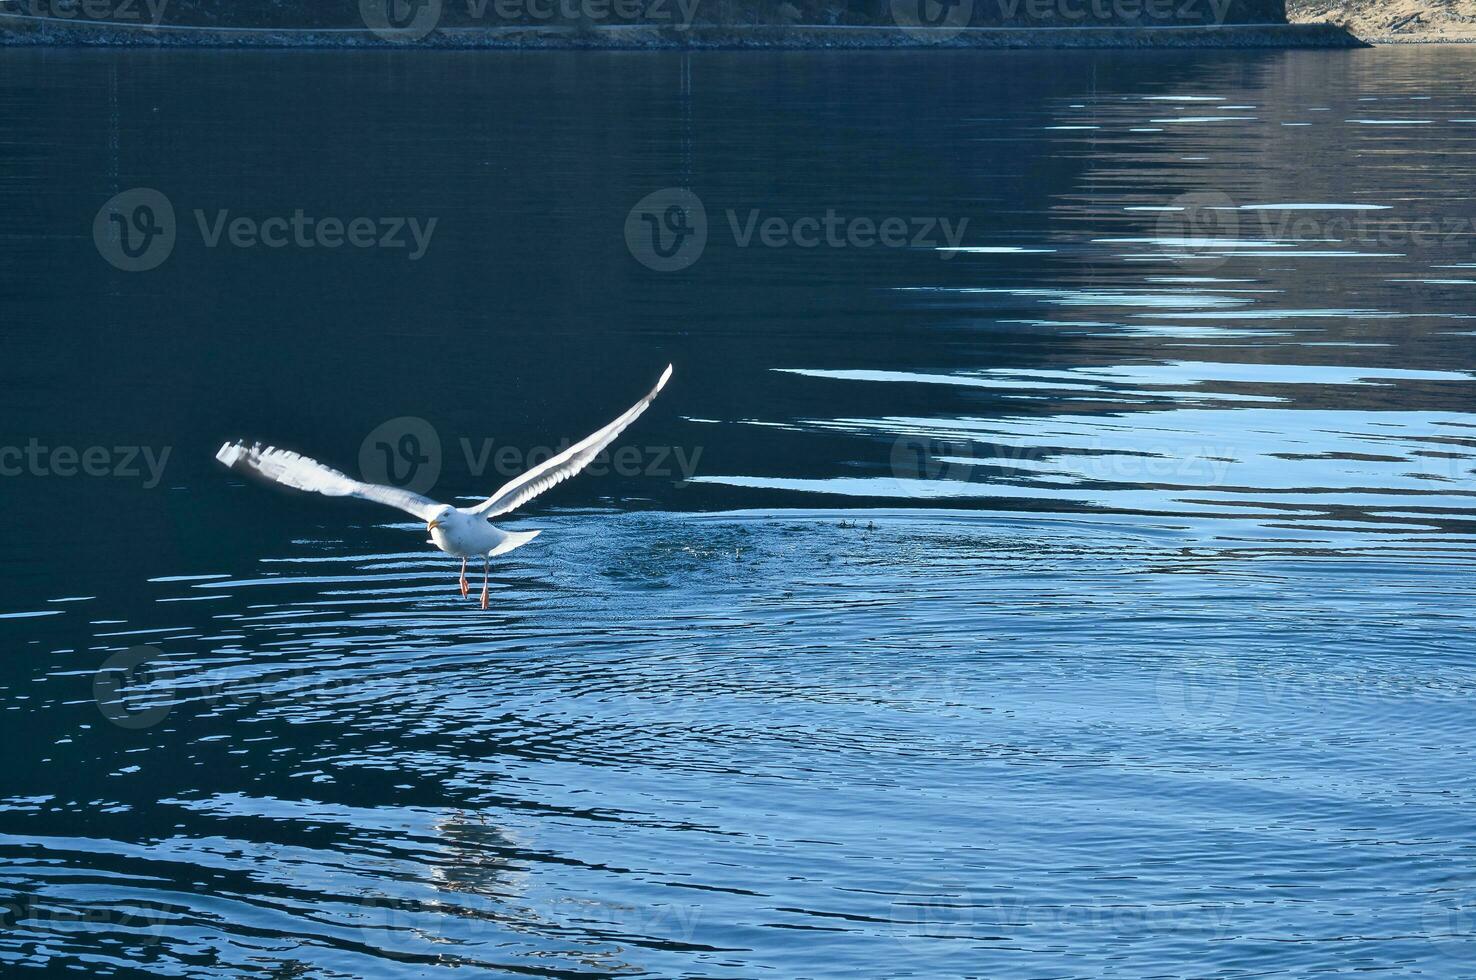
(462, 532)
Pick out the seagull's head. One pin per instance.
(441, 518)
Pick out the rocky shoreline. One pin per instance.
(1393, 21)
(28, 32)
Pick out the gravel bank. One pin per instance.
(17, 31)
(1393, 21)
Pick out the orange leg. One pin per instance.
(464, 589)
(485, 564)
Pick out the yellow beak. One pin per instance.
(433, 525)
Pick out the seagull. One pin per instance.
(462, 532)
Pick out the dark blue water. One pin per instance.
(1052, 557)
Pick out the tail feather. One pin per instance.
(514, 540)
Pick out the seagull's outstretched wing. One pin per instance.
(524, 488)
(293, 470)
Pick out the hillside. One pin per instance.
(665, 23)
(1034, 14)
(1393, 20)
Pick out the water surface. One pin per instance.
(1085, 594)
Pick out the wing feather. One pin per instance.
(517, 492)
(293, 470)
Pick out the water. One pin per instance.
(1087, 594)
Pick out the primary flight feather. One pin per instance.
(463, 532)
